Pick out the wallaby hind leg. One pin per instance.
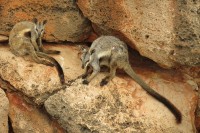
(96, 69)
(110, 75)
(42, 49)
(40, 60)
(48, 51)
(31, 51)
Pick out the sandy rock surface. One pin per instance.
(36, 80)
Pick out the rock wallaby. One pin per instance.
(25, 38)
(113, 53)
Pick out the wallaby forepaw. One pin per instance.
(85, 82)
(84, 76)
(103, 82)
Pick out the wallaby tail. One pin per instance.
(57, 65)
(156, 95)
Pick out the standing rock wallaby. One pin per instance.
(26, 39)
(113, 53)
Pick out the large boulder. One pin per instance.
(4, 109)
(164, 31)
(26, 118)
(38, 81)
(123, 106)
(65, 21)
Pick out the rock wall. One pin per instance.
(65, 21)
(164, 31)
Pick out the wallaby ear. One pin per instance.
(35, 20)
(44, 22)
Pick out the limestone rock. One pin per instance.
(26, 118)
(123, 106)
(165, 31)
(4, 108)
(65, 21)
(34, 80)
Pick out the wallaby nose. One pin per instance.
(82, 66)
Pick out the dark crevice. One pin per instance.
(10, 128)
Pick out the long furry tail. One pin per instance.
(156, 95)
(56, 64)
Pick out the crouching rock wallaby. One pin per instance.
(113, 53)
(26, 39)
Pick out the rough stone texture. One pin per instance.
(193, 73)
(34, 80)
(123, 106)
(65, 21)
(26, 118)
(4, 107)
(164, 31)
(3, 38)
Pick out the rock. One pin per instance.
(192, 72)
(3, 38)
(123, 106)
(165, 31)
(34, 80)
(65, 21)
(4, 108)
(193, 75)
(26, 118)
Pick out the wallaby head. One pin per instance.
(39, 27)
(84, 57)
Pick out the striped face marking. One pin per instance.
(39, 27)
